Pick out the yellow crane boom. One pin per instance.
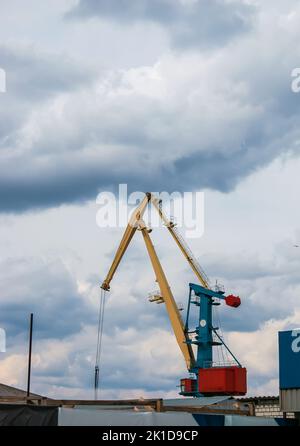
(126, 239)
(171, 306)
(130, 231)
(181, 243)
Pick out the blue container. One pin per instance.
(289, 359)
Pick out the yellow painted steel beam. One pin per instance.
(136, 222)
(128, 234)
(173, 312)
(182, 245)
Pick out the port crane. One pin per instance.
(205, 379)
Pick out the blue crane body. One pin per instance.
(204, 299)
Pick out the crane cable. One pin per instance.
(223, 351)
(99, 342)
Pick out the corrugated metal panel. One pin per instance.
(221, 401)
(200, 401)
(236, 420)
(6, 390)
(290, 400)
(78, 417)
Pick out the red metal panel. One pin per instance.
(188, 385)
(240, 380)
(223, 381)
(233, 301)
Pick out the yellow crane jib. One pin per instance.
(126, 239)
(167, 296)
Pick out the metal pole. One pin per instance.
(29, 354)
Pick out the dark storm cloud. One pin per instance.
(34, 76)
(45, 289)
(201, 23)
(189, 122)
(52, 187)
(27, 182)
(32, 80)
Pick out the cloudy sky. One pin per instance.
(174, 95)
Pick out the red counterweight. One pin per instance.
(233, 301)
(223, 381)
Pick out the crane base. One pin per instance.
(216, 381)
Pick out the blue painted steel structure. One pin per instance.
(289, 359)
(204, 299)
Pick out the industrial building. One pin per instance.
(16, 409)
